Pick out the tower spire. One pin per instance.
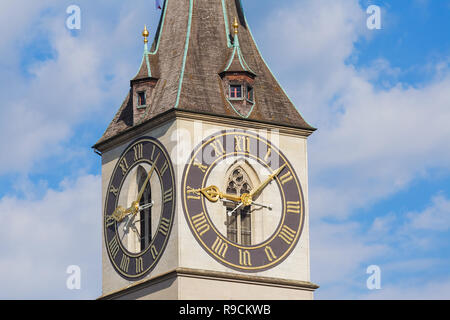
(192, 45)
(145, 34)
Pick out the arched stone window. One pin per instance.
(239, 224)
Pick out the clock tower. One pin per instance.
(204, 169)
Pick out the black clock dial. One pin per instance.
(229, 179)
(139, 208)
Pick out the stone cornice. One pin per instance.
(173, 114)
(211, 275)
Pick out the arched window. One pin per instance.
(144, 220)
(239, 224)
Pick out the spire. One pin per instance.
(145, 34)
(236, 62)
(145, 70)
(196, 40)
(236, 27)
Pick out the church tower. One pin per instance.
(204, 169)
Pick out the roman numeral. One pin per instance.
(139, 265)
(193, 194)
(293, 207)
(218, 148)
(124, 166)
(113, 247)
(138, 152)
(242, 144)
(200, 223)
(153, 153)
(270, 255)
(154, 252)
(164, 227)
(125, 263)
(114, 190)
(202, 167)
(164, 168)
(286, 178)
(168, 195)
(220, 247)
(287, 234)
(244, 258)
(110, 221)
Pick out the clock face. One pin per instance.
(139, 208)
(243, 201)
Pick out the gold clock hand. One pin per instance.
(120, 213)
(265, 183)
(141, 192)
(213, 194)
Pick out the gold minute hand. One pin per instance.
(141, 192)
(265, 183)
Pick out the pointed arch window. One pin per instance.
(239, 223)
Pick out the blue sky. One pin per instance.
(379, 163)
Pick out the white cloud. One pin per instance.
(371, 142)
(42, 237)
(435, 218)
(339, 252)
(87, 76)
(430, 290)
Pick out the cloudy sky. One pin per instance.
(379, 163)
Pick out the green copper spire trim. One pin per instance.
(237, 50)
(227, 27)
(240, 114)
(148, 64)
(186, 49)
(147, 52)
(231, 59)
(166, 3)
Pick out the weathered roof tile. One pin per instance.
(191, 47)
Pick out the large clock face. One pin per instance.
(139, 208)
(243, 201)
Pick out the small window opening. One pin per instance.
(141, 99)
(235, 91)
(250, 93)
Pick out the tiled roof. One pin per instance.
(193, 44)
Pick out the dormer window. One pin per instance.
(141, 98)
(235, 91)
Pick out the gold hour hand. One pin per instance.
(213, 194)
(120, 213)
